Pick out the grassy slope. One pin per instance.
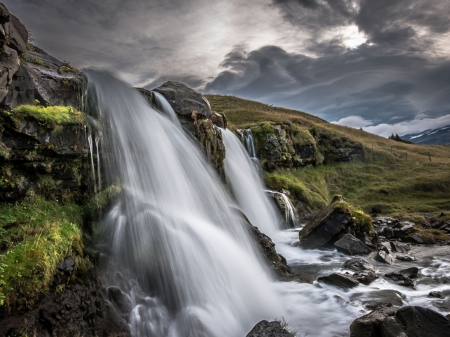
(385, 178)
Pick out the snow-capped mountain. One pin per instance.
(438, 136)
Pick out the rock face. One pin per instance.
(350, 245)
(410, 321)
(36, 156)
(330, 225)
(269, 329)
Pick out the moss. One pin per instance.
(363, 221)
(67, 68)
(51, 114)
(261, 131)
(29, 59)
(35, 236)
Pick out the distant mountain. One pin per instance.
(438, 136)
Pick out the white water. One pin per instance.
(165, 107)
(177, 250)
(247, 186)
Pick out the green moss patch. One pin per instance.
(35, 236)
(51, 114)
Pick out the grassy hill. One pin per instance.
(389, 177)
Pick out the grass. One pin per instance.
(35, 235)
(51, 114)
(391, 177)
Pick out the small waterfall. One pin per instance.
(91, 152)
(247, 186)
(249, 144)
(180, 254)
(164, 106)
(286, 207)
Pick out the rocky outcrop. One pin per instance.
(43, 157)
(269, 329)
(409, 321)
(332, 223)
(365, 272)
(80, 309)
(344, 281)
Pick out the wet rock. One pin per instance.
(359, 264)
(116, 296)
(344, 281)
(422, 322)
(269, 329)
(385, 247)
(350, 245)
(404, 277)
(406, 258)
(365, 277)
(369, 325)
(9, 61)
(391, 328)
(403, 228)
(399, 247)
(384, 257)
(325, 227)
(417, 238)
(436, 294)
(219, 120)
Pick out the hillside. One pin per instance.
(322, 159)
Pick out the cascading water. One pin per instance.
(286, 206)
(180, 254)
(249, 144)
(247, 186)
(165, 107)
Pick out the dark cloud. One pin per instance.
(364, 82)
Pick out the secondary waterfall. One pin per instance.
(180, 254)
(165, 107)
(249, 144)
(247, 186)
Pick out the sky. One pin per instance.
(380, 65)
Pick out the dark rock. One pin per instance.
(325, 227)
(391, 328)
(9, 61)
(276, 261)
(384, 257)
(404, 277)
(116, 296)
(385, 247)
(410, 272)
(417, 238)
(344, 281)
(437, 294)
(94, 255)
(399, 247)
(407, 258)
(365, 277)
(185, 101)
(422, 322)
(403, 228)
(369, 325)
(219, 120)
(350, 245)
(67, 265)
(269, 329)
(359, 264)
(4, 14)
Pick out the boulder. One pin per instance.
(9, 62)
(185, 101)
(369, 325)
(350, 245)
(382, 256)
(409, 321)
(344, 281)
(17, 34)
(405, 257)
(422, 322)
(365, 277)
(436, 294)
(269, 329)
(399, 247)
(403, 228)
(417, 238)
(359, 264)
(326, 226)
(404, 277)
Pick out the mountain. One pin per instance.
(438, 136)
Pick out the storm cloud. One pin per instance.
(366, 63)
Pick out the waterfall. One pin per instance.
(180, 254)
(286, 207)
(164, 106)
(247, 186)
(249, 144)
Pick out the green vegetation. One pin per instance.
(51, 114)
(35, 235)
(390, 177)
(29, 59)
(67, 68)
